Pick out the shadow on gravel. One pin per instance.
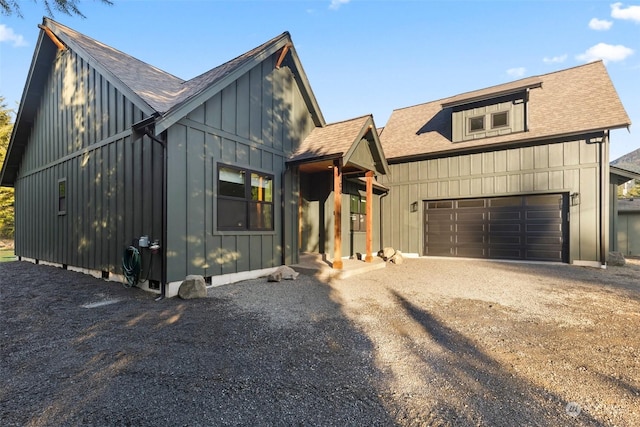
(625, 279)
(128, 360)
(496, 396)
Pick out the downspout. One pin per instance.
(385, 194)
(603, 199)
(163, 234)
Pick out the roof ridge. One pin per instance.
(487, 88)
(349, 120)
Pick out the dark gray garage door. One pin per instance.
(529, 227)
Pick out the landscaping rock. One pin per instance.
(616, 259)
(283, 272)
(192, 287)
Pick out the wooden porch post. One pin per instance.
(337, 217)
(369, 217)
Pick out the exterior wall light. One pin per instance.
(413, 207)
(575, 199)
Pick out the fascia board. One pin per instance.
(20, 126)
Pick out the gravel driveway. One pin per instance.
(429, 342)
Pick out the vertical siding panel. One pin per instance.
(267, 103)
(195, 186)
(541, 181)
(242, 106)
(255, 157)
(588, 213)
(278, 111)
(476, 163)
(500, 184)
(177, 203)
(556, 155)
(513, 160)
(127, 210)
(541, 156)
(122, 220)
(465, 165)
(213, 112)
(476, 186)
(229, 108)
(228, 255)
(488, 163)
(412, 171)
(242, 154)
(255, 103)
(198, 114)
(267, 252)
(500, 161)
(228, 151)
(255, 252)
(100, 239)
(214, 255)
(114, 229)
(588, 153)
(526, 158)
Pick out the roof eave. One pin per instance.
(538, 140)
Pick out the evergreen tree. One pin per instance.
(6, 194)
(68, 7)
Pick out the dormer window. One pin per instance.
(486, 113)
(500, 120)
(476, 124)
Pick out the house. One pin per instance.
(518, 171)
(628, 228)
(221, 175)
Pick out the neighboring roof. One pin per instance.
(156, 92)
(570, 102)
(629, 161)
(628, 205)
(620, 175)
(339, 140)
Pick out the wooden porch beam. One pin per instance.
(53, 37)
(283, 53)
(337, 217)
(369, 216)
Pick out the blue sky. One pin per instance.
(362, 56)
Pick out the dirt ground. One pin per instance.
(429, 342)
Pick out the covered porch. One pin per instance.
(339, 196)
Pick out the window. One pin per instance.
(476, 124)
(245, 199)
(500, 120)
(62, 196)
(358, 213)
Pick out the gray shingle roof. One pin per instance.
(572, 101)
(162, 91)
(334, 139)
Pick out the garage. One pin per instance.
(525, 227)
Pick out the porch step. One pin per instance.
(317, 265)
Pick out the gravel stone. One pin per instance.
(436, 342)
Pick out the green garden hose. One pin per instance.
(131, 266)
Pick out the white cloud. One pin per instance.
(335, 4)
(631, 13)
(554, 59)
(516, 72)
(606, 52)
(7, 35)
(600, 24)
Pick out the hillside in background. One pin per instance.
(630, 161)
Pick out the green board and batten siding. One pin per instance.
(112, 182)
(255, 122)
(566, 167)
